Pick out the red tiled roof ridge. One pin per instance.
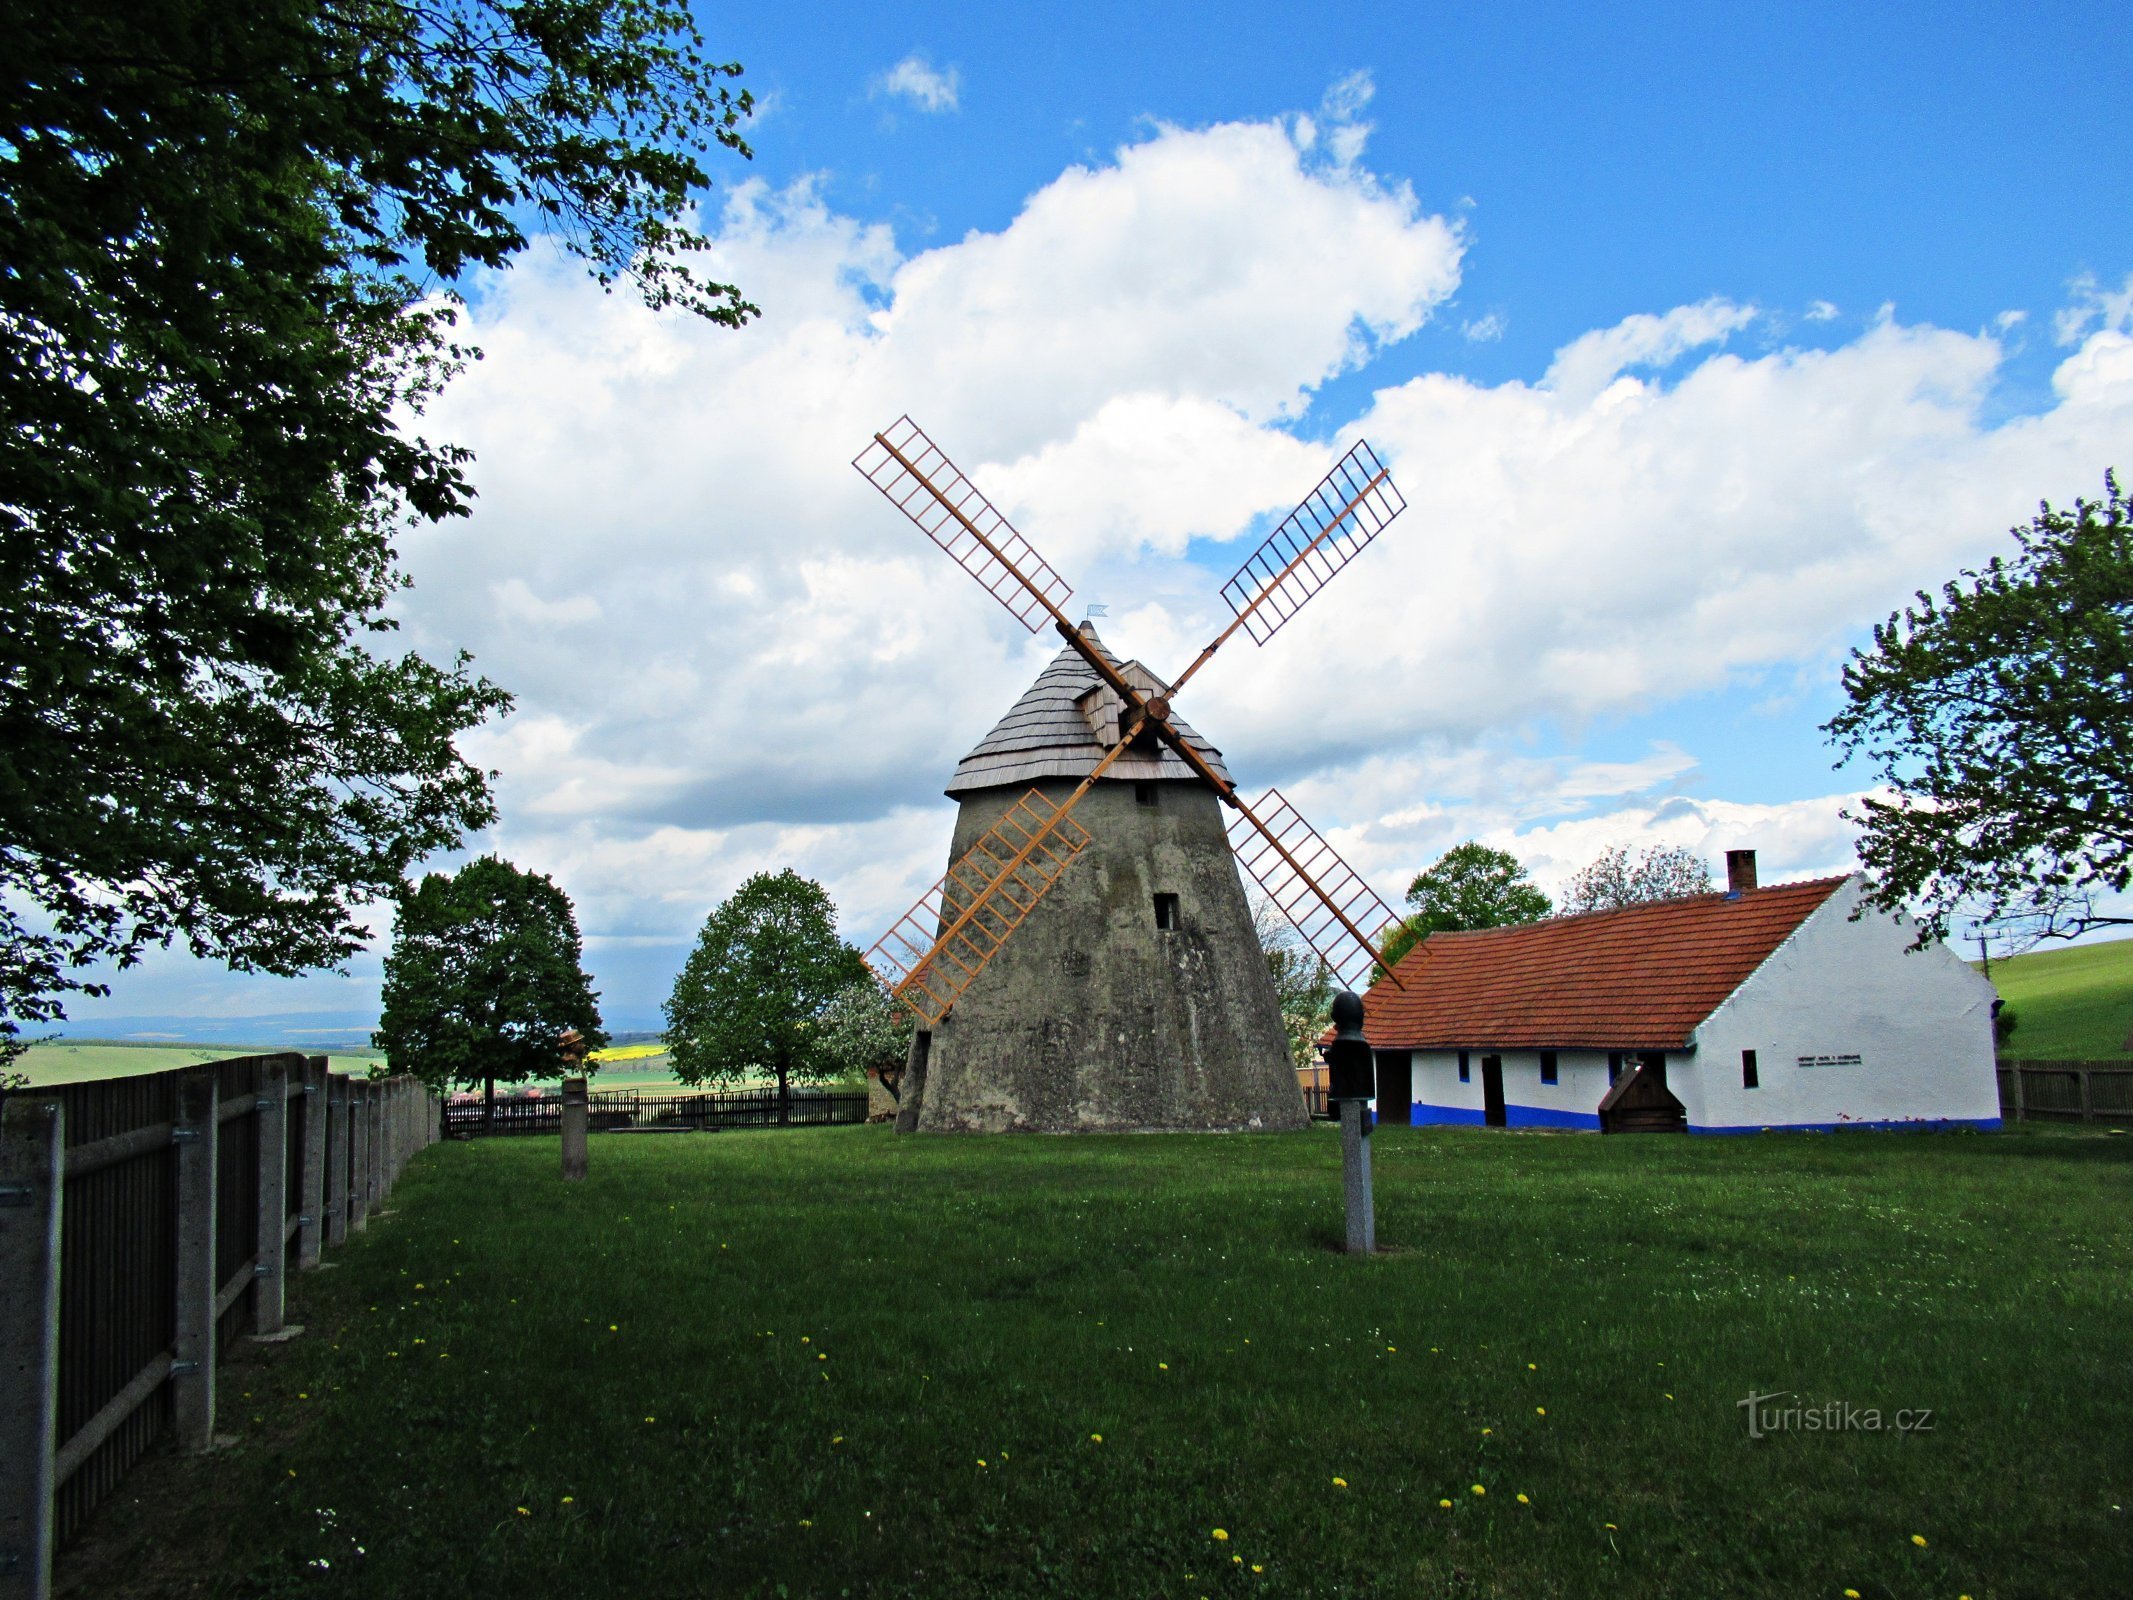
(1563, 917)
(1629, 977)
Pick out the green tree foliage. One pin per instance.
(483, 978)
(1470, 886)
(1303, 984)
(864, 1029)
(754, 994)
(2001, 715)
(231, 230)
(1618, 878)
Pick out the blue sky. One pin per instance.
(1697, 338)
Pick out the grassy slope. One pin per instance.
(2072, 1002)
(77, 1062)
(833, 1362)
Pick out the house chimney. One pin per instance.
(1740, 871)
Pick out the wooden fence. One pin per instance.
(144, 1223)
(2066, 1091)
(636, 1110)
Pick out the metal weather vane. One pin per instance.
(936, 948)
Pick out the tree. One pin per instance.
(864, 1030)
(1304, 985)
(1470, 886)
(1663, 872)
(232, 232)
(755, 991)
(483, 979)
(2000, 714)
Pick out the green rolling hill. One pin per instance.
(2072, 1003)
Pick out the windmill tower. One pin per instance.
(1088, 962)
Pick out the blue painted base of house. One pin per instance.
(1514, 1117)
(1900, 1125)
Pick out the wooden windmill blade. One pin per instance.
(929, 957)
(919, 479)
(1338, 914)
(1350, 507)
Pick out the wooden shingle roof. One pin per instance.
(1639, 978)
(1045, 735)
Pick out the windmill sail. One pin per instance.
(929, 957)
(1338, 914)
(917, 476)
(1348, 509)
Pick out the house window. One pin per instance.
(1166, 912)
(1614, 1065)
(1548, 1066)
(1144, 791)
(1466, 1066)
(1747, 1069)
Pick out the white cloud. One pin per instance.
(1821, 311)
(2094, 307)
(1484, 330)
(731, 654)
(917, 80)
(1589, 363)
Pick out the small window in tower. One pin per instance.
(1548, 1066)
(1144, 791)
(1166, 911)
(1748, 1078)
(1466, 1066)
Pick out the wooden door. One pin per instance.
(1492, 1091)
(1396, 1088)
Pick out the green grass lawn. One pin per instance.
(2075, 1003)
(838, 1362)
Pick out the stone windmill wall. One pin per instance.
(1134, 997)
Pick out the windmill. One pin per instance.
(1132, 996)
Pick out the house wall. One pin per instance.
(1573, 1101)
(1849, 1029)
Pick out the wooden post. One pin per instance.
(192, 1366)
(338, 1155)
(2016, 1068)
(574, 1128)
(1355, 1178)
(32, 1166)
(271, 1249)
(311, 1192)
(358, 1155)
(2088, 1099)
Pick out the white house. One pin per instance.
(1758, 1008)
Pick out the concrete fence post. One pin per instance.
(271, 1252)
(337, 1156)
(32, 1157)
(575, 1116)
(311, 1191)
(192, 1367)
(359, 1095)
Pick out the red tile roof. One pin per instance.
(1640, 978)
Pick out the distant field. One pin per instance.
(78, 1060)
(2075, 1003)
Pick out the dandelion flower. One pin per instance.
(651, 1419)
(614, 1327)
(1609, 1526)
(1478, 1489)
(1256, 1567)
(1919, 1539)
(1530, 1367)
(1485, 1432)
(570, 1499)
(1540, 1411)
(1162, 1366)
(837, 1438)
(1445, 1505)
(1522, 1500)
(1221, 1535)
(1338, 1483)
(522, 1511)
(981, 1461)
(1851, 1594)
(1236, 1561)
(807, 1522)
(1096, 1438)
